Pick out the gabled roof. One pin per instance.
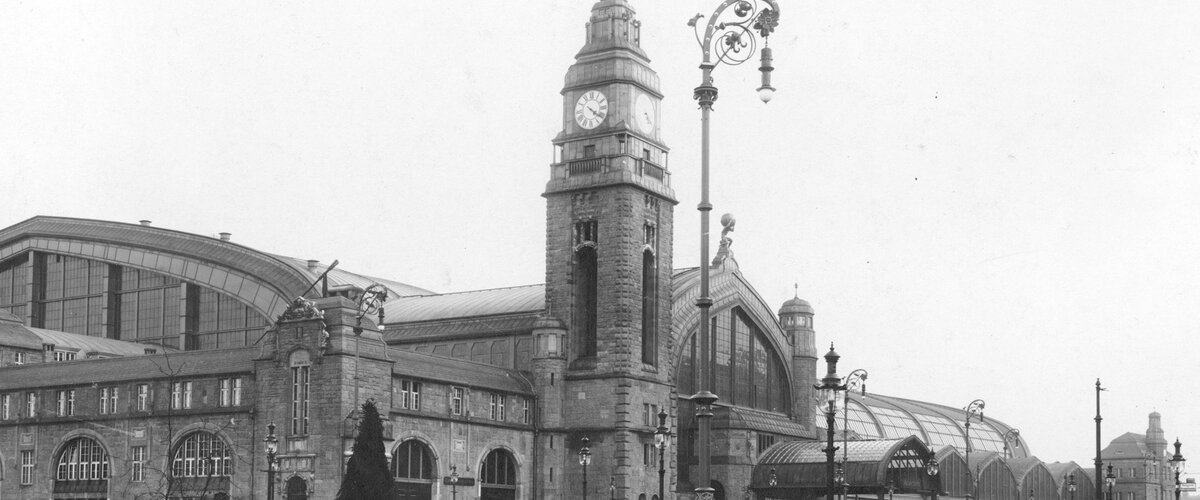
(458, 372)
(1127, 445)
(469, 304)
(87, 346)
(130, 368)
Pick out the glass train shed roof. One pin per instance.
(874, 416)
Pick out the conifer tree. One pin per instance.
(367, 476)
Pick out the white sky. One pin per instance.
(990, 200)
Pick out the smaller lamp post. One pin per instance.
(1110, 479)
(1072, 485)
(931, 468)
(612, 488)
(891, 489)
(831, 384)
(662, 438)
(839, 477)
(272, 444)
(585, 459)
(454, 482)
(1177, 463)
(1030, 493)
(772, 479)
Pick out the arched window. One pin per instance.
(413, 469)
(498, 476)
(746, 367)
(202, 454)
(649, 308)
(585, 276)
(297, 489)
(82, 459)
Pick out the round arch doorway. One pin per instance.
(499, 476)
(297, 489)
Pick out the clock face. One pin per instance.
(590, 109)
(643, 110)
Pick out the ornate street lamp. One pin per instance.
(272, 445)
(585, 459)
(830, 385)
(1072, 485)
(454, 482)
(772, 479)
(931, 468)
(730, 41)
(975, 409)
(1013, 436)
(1110, 479)
(1177, 463)
(662, 438)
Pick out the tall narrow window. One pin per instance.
(27, 466)
(143, 397)
(458, 399)
(586, 288)
(30, 404)
(300, 363)
(649, 308)
(226, 391)
(410, 395)
(6, 406)
(237, 392)
(137, 464)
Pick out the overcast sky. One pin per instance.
(993, 200)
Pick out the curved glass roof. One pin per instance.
(875, 416)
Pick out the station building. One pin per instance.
(142, 362)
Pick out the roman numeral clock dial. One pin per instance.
(590, 109)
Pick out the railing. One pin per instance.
(588, 166)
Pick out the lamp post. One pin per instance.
(857, 379)
(585, 459)
(272, 445)
(931, 468)
(730, 40)
(830, 385)
(1071, 485)
(1110, 479)
(454, 482)
(975, 409)
(1030, 493)
(662, 438)
(1014, 436)
(1177, 463)
(1099, 462)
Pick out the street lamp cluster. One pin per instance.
(272, 445)
(662, 439)
(1177, 463)
(585, 459)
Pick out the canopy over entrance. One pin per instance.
(875, 467)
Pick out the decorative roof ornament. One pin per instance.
(724, 252)
(301, 309)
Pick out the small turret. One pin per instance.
(796, 318)
(1156, 440)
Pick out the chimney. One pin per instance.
(312, 264)
(225, 236)
(144, 222)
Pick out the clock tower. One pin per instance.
(609, 207)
